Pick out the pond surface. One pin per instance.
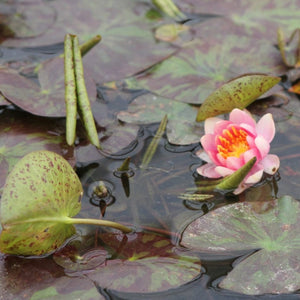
(129, 100)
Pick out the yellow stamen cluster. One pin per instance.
(232, 142)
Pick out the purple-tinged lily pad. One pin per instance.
(181, 128)
(128, 44)
(21, 133)
(261, 19)
(41, 279)
(274, 268)
(198, 69)
(46, 99)
(145, 263)
(26, 19)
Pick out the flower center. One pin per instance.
(233, 142)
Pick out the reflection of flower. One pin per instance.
(231, 144)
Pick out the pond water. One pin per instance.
(151, 262)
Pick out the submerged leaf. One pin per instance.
(40, 193)
(237, 93)
(272, 269)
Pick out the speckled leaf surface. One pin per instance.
(261, 19)
(128, 44)
(274, 268)
(145, 263)
(198, 69)
(21, 133)
(39, 194)
(47, 98)
(181, 128)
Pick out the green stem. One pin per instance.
(87, 46)
(82, 96)
(70, 91)
(154, 143)
(115, 225)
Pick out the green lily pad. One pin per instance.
(21, 133)
(40, 194)
(46, 99)
(181, 127)
(260, 19)
(198, 69)
(145, 262)
(128, 44)
(26, 19)
(274, 268)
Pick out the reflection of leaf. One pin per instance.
(40, 194)
(181, 128)
(128, 43)
(21, 133)
(237, 93)
(274, 268)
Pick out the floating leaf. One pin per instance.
(237, 93)
(26, 19)
(128, 43)
(145, 263)
(274, 268)
(201, 67)
(258, 19)
(181, 128)
(46, 99)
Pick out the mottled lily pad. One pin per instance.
(198, 69)
(274, 268)
(128, 44)
(260, 19)
(181, 128)
(40, 194)
(21, 133)
(46, 99)
(42, 278)
(145, 263)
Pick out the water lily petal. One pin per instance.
(208, 142)
(238, 116)
(250, 129)
(208, 170)
(254, 178)
(262, 145)
(209, 125)
(222, 171)
(250, 154)
(220, 126)
(234, 163)
(203, 155)
(243, 186)
(266, 127)
(271, 163)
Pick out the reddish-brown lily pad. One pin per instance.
(128, 44)
(259, 18)
(46, 99)
(198, 69)
(26, 19)
(144, 262)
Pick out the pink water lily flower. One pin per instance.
(228, 145)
